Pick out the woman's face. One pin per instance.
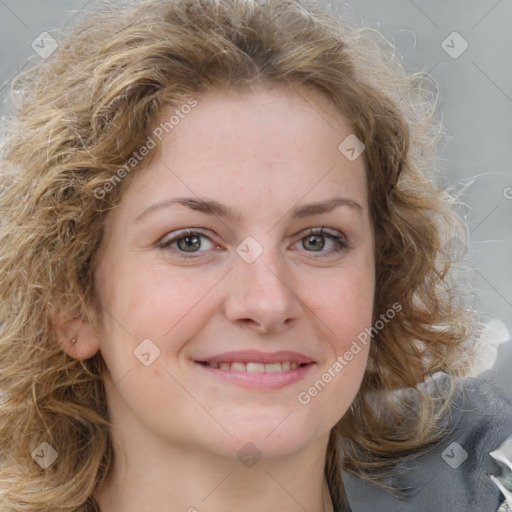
(235, 333)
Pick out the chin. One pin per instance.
(274, 436)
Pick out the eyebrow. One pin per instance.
(211, 207)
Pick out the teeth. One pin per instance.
(256, 367)
(273, 368)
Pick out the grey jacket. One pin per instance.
(455, 477)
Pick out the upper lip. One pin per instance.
(255, 356)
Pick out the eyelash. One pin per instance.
(341, 244)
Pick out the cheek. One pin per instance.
(344, 305)
(151, 302)
(147, 318)
(343, 301)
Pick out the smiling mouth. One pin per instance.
(256, 370)
(254, 367)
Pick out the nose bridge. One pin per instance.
(262, 267)
(262, 286)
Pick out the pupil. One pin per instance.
(316, 242)
(191, 242)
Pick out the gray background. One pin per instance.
(476, 93)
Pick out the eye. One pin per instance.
(187, 243)
(316, 239)
(191, 243)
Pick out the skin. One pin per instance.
(178, 428)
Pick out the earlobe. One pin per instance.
(76, 335)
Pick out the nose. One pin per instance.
(262, 296)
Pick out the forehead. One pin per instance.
(269, 116)
(266, 144)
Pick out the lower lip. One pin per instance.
(260, 380)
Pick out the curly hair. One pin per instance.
(78, 116)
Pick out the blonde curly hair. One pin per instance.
(78, 116)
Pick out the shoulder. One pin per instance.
(456, 474)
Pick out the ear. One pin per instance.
(83, 330)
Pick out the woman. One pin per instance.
(225, 270)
